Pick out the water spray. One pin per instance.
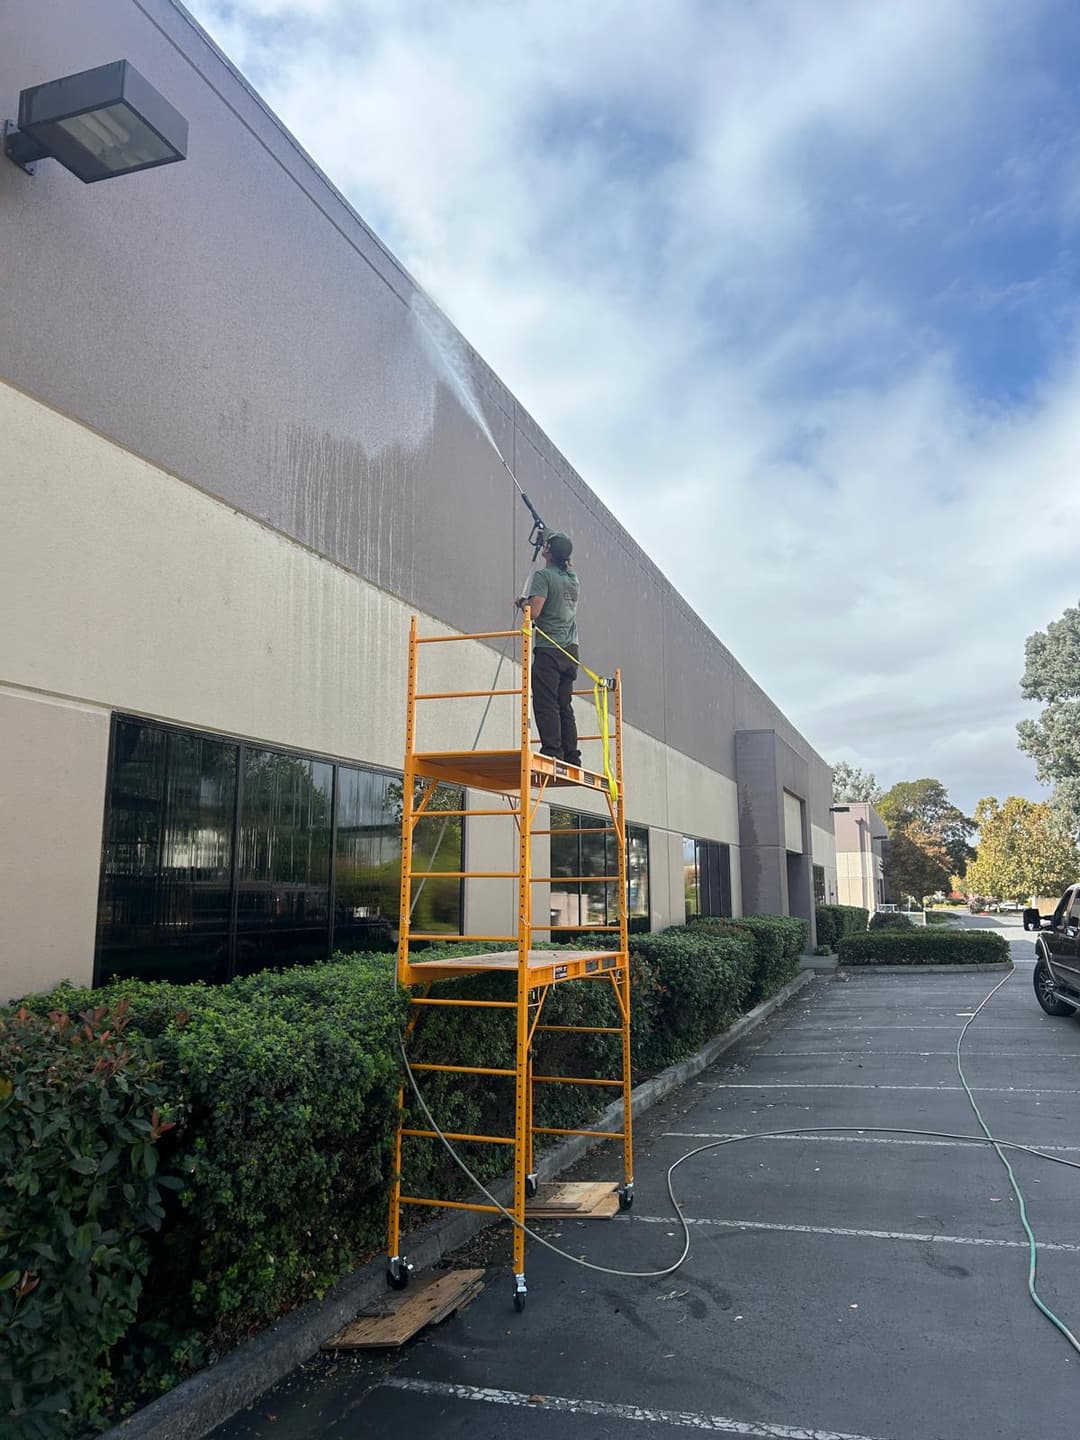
(446, 348)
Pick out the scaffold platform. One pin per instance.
(521, 777)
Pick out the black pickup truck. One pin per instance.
(1057, 954)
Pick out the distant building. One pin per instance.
(861, 837)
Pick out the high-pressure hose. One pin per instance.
(536, 539)
(1000, 1146)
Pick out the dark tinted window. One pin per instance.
(283, 890)
(594, 853)
(706, 877)
(168, 853)
(438, 845)
(221, 857)
(367, 875)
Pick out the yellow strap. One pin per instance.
(596, 679)
(600, 701)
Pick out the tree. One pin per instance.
(851, 783)
(1023, 850)
(925, 804)
(916, 862)
(1052, 675)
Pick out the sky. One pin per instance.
(792, 285)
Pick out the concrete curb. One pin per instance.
(194, 1407)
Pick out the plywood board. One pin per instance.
(578, 1200)
(403, 1313)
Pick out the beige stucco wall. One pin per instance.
(52, 794)
(793, 823)
(127, 589)
(135, 591)
(857, 875)
(823, 849)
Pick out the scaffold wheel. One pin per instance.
(398, 1271)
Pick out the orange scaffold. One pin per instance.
(522, 778)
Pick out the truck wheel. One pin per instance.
(1045, 992)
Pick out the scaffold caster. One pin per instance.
(626, 1196)
(519, 1293)
(532, 1185)
(398, 1271)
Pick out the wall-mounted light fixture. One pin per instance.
(100, 123)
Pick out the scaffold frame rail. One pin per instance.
(523, 777)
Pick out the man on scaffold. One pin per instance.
(553, 594)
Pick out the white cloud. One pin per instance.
(692, 239)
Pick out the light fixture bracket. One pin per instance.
(22, 149)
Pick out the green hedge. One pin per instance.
(83, 1109)
(890, 920)
(836, 921)
(778, 941)
(288, 1084)
(924, 947)
(691, 985)
(284, 1088)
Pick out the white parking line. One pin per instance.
(561, 1404)
(952, 1029)
(888, 1054)
(917, 1238)
(838, 1085)
(851, 1140)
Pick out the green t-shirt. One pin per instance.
(558, 618)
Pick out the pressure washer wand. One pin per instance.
(536, 538)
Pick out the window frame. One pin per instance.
(640, 923)
(717, 883)
(168, 729)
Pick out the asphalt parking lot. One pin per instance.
(840, 1287)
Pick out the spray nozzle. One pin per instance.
(539, 530)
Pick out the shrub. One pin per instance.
(889, 920)
(82, 1108)
(290, 1082)
(701, 980)
(924, 947)
(778, 940)
(291, 1079)
(152, 1005)
(836, 921)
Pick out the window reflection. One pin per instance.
(595, 901)
(167, 865)
(706, 877)
(438, 845)
(222, 858)
(367, 866)
(283, 889)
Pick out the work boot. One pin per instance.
(574, 758)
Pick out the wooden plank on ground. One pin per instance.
(577, 1200)
(398, 1318)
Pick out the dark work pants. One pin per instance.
(553, 676)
